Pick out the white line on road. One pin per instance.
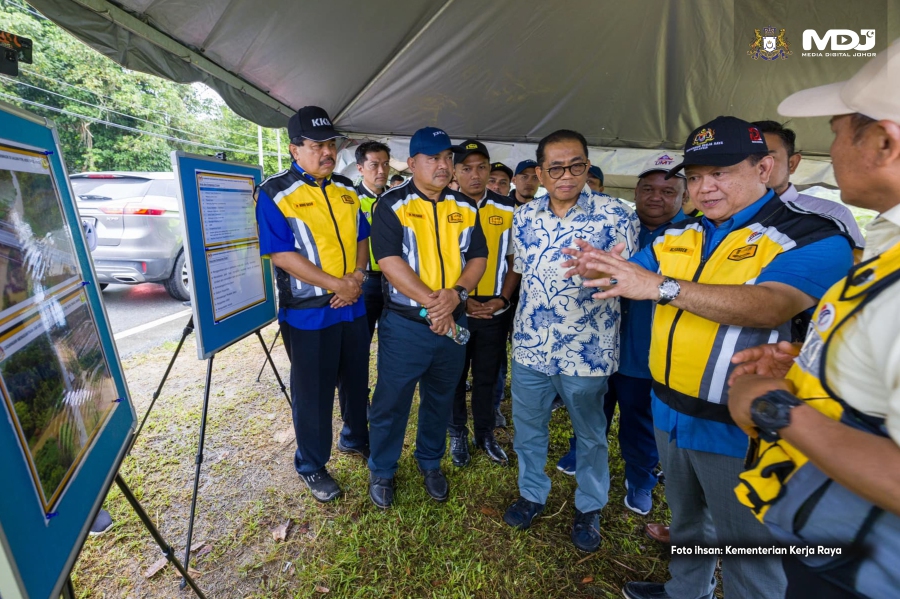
(150, 325)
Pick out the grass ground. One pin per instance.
(248, 489)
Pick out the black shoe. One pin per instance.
(494, 452)
(586, 531)
(321, 485)
(459, 450)
(381, 491)
(521, 513)
(557, 403)
(360, 451)
(102, 523)
(436, 484)
(660, 476)
(499, 419)
(645, 590)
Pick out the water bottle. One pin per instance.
(459, 334)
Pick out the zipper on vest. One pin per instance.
(678, 314)
(437, 239)
(336, 229)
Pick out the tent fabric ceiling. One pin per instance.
(638, 74)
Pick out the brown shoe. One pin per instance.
(657, 532)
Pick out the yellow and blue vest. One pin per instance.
(690, 356)
(325, 223)
(496, 214)
(792, 496)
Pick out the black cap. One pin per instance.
(467, 148)
(499, 166)
(312, 122)
(724, 141)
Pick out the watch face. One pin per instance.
(767, 409)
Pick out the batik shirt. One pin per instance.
(559, 328)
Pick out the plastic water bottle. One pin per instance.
(459, 334)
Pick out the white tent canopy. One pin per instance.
(628, 75)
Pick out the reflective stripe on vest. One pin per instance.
(495, 214)
(690, 356)
(790, 494)
(367, 204)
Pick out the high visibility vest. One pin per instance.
(325, 223)
(790, 494)
(367, 203)
(690, 356)
(495, 213)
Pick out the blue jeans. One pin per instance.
(636, 440)
(410, 353)
(532, 394)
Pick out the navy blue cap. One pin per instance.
(595, 172)
(525, 164)
(430, 141)
(724, 141)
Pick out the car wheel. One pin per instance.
(103, 286)
(178, 284)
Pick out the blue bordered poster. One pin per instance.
(232, 291)
(68, 417)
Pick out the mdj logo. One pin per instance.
(840, 40)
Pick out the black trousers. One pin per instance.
(335, 356)
(374, 300)
(803, 583)
(485, 352)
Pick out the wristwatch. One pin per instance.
(364, 274)
(668, 290)
(462, 292)
(772, 412)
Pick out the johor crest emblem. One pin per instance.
(704, 136)
(768, 46)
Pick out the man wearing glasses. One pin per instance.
(564, 342)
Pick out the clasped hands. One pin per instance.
(348, 290)
(440, 306)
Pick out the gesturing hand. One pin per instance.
(771, 360)
(619, 277)
(442, 303)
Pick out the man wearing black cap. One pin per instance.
(487, 308)
(595, 179)
(500, 179)
(429, 244)
(731, 279)
(526, 182)
(311, 225)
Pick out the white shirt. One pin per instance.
(559, 328)
(826, 207)
(864, 369)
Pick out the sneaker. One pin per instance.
(360, 451)
(520, 514)
(381, 491)
(645, 590)
(499, 419)
(436, 484)
(586, 531)
(102, 523)
(566, 464)
(321, 485)
(459, 450)
(557, 403)
(495, 453)
(639, 500)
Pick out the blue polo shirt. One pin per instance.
(812, 269)
(637, 317)
(276, 235)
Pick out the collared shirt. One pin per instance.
(278, 234)
(637, 316)
(865, 371)
(559, 328)
(827, 208)
(812, 269)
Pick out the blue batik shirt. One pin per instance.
(559, 328)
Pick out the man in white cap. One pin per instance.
(834, 420)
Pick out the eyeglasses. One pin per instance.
(577, 169)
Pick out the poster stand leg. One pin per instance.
(188, 329)
(167, 551)
(271, 347)
(197, 462)
(68, 590)
(272, 364)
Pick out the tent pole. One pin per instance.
(259, 140)
(391, 62)
(278, 141)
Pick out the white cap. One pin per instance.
(873, 91)
(661, 163)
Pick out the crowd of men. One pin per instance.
(751, 340)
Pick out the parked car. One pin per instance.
(138, 224)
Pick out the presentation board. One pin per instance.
(232, 290)
(68, 416)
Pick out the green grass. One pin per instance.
(419, 548)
